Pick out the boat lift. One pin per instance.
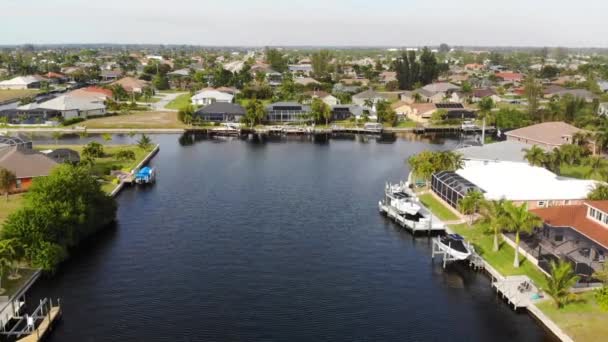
(35, 326)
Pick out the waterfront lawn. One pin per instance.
(140, 120)
(582, 319)
(103, 166)
(440, 210)
(6, 208)
(502, 260)
(12, 286)
(14, 94)
(406, 124)
(179, 102)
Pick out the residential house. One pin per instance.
(55, 77)
(422, 95)
(306, 81)
(301, 69)
(345, 112)
(547, 135)
(514, 181)
(327, 98)
(423, 112)
(361, 99)
(21, 82)
(474, 67)
(274, 78)
(208, 96)
(479, 94)
(110, 75)
(26, 164)
(510, 77)
(575, 233)
(347, 89)
(578, 93)
(221, 112)
(132, 85)
(388, 76)
(73, 106)
(287, 112)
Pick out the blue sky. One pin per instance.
(309, 22)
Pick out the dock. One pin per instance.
(34, 327)
(516, 290)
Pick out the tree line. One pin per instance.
(414, 72)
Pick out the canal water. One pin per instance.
(272, 241)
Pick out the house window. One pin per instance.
(591, 212)
(559, 238)
(18, 184)
(541, 204)
(599, 216)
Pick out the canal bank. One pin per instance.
(272, 241)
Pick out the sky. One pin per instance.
(393, 23)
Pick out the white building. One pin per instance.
(21, 82)
(208, 96)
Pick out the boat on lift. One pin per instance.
(455, 246)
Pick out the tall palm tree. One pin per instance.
(493, 214)
(561, 281)
(599, 193)
(535, 156)
(595, 163)
(520, 220)
(470, 204)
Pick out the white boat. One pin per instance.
(455, 246)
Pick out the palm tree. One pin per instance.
(144, 142)
(599, 193)
(561, 281)
(535, 156)
(448, 161)
(470, 204)
(6, 259)
(554, 160)
(493, 214)
(595, 163)
(106, 136)
(520, 220)
(7, 179)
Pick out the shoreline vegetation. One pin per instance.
(581, 317)
(40, 227)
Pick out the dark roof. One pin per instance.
(449, 106)
(222, 108)
(457, 182)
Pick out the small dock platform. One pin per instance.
(46, 325)
(34, 327)
(517, 290)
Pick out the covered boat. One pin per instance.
(455, 246)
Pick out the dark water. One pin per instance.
(272, 242)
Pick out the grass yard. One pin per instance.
(582, 319)
(406, 124)
(14, 94)
(440, 210)
(502, 260)
(180, 102)
(140, 120)
(103, 166)
(12, 286)
(6, 208)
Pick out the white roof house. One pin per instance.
(21, 82)
(75, 106)
(516, 181)
(208, 96)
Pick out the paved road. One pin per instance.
(165, 99)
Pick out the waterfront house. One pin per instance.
(575, 233)
(21, 82)
(73, 106)
(547, 135)
(479, 94)
(368, 96)
(287, 112)
(208, 96)
(423, 112)
(345, 112)
(221, 112)
(510, 77)
(26, 164)
(514, 181)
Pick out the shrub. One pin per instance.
(72, 121)
(93, 150)
(125, 155)
(601, 296)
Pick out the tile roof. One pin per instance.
(575, 217)
(550, 133)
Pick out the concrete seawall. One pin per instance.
(146, 160)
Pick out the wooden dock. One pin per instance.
(511, 288)
(45, 326)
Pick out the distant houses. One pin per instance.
(21, 82)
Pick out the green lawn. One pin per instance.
(12, 286)
(180, 102)
(13, 94)
(109, 162)
(6, 208)
(406, 124)
(502, 260)
(582, 319)
(440, 210)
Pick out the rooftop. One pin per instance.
(551, 133)
(501, 151)
(25, 163)
(518, 181)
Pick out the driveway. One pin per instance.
(165, 99)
